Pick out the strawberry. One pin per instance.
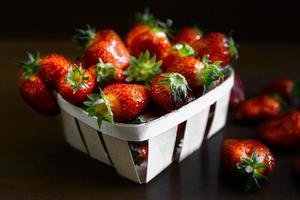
(237, 93)
(201, 76)
(76, 84)
(105, 45)
(188, 35)
(169, 91)
(34, 90)
(258, 108)
(107, 73)
(139, 152)
(177, 50)
(149, 34)
(283, 130)
(252, 159)
(286, 88)
(143, 69)
(218, 46)
(118, 102)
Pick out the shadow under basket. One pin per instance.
(139, 152)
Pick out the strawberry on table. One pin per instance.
(34, 90)
(249, 158)
(218, 46)
(286, 88)
(283, 130)
(150, 36)
(105, 45)
(177, 50)
(77, 84)
(169, 91)
(188, 35)
(259, 108)
(120, 102)
(143, 69)
(200, 75)
(237, 95)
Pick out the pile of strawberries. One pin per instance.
(119, 82)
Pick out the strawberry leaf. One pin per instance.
(184, 49)
(105, 72)
(83, 36)
(30, 66)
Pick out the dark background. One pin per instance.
(266, 21)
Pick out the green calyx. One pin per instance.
(177, 84)
(249, 167)
(77, 77)
(83, 36)
(97, 105)
(30, 66)
(198, 30)
(145, 18)
(105, 72)
(184, 49)
(233, 47)
(212, 73)
(143, 69)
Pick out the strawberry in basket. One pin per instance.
(249, 158)
(218, 46)
(105, 45)
(77, 84)
(118, 102)
(33, 88)
(259, 108)
(283, 130)
(237, 95)
(188, 35)
(148, 34)
(169, 91)
(200, 75)
(143, 69)
(177, 50)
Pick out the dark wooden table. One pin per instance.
(35, 162)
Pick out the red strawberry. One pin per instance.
(258, 108)
(34, 90)
(107, 73)
(201, 76)
(250, 158)
(139, 152)
(218, 46)
(286, 88)
(237, 93)
(105, 45)
(118, 102)
(76, 84)
(188, 35)
(283, 130)
(143, 69)
(169, 91)
(177, 50)
(149, 34)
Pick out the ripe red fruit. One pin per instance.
(76, 84)
(188, 35)
(237, 93)
(177, 50)
(148, 34)
(105, 45)
(118, 102)
(250, 158)
(258, 108)
(106, 73)
(200, 76)
(283, 130)
(139, 152)
(34, 90)
(169, 91)
(218, 46)
(143, 69)
(286, 88)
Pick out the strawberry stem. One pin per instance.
(83, 36)
(97, 105)
(183, 49)
(105, 72)
(77, 77)
(233, 47)
(30, 66)
(143, 69)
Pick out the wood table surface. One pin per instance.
(36, 163)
